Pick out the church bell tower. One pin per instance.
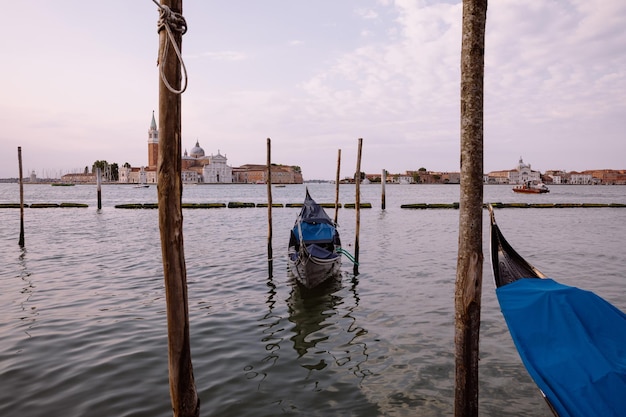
(153, 144)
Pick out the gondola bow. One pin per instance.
(571, 341)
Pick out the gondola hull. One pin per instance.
(311, 271)
(571, 341)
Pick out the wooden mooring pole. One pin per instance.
(99, 187)
(19, 160)
(383, 180)
(357, 206)
(185, 401)
(337, 185)
(467, 297)
(270, 263)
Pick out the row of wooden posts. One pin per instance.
(184, 398)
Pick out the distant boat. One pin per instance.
(142, 186)
(529, 188)
(62, 184)
(314, 253)
(571, 341)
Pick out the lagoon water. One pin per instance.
(83, 326)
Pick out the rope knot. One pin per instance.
(174, 20)
(171, 21)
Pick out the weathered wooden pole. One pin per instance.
(185, 402)
(383, 180)
(99, 187)
(470, 256)
(357, 207)
(19, 160)
(337, 185)
(269, 208)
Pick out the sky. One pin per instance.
(80, 84)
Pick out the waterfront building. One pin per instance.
(217, 171)
(580, 178)
(257, 174)
(607, 176)
(518, 175)
(196, 167)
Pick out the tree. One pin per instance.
(362, 176)
(99, 164)
(114, 172)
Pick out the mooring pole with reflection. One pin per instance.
(99, 187)
(357, 205)
(19, 159)
(270, 263)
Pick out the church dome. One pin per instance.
(197, 151)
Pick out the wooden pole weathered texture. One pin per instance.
(470, 254)
(270, 255)
(19, 162)
(185, 402)
(357, 207)
(337, 185)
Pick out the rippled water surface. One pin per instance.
(83, 326)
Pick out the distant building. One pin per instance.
(519, 175)
(607, 176)
(196, 167)
(580, 178)
(85, 178)
(257, 174)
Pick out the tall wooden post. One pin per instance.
(269, 208)
(337, 185)
(357, 207)
(470, 256)
(185, 402)
(99, 187)
(383, 180)
(19, 162)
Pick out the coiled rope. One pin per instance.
(171, 21)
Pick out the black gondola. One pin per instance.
(314, 252)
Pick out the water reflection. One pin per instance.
(310, 310)
(324, 325)
(29, 313)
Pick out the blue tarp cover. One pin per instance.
(319, 232)
(573, 344)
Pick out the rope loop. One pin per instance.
(172, 22)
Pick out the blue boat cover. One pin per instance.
(573, 344)
(315, 232)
